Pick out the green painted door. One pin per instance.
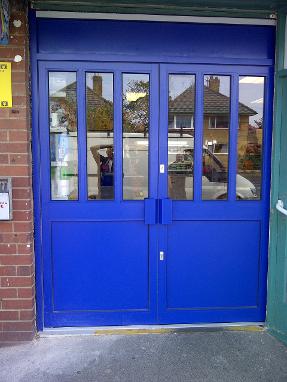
(277, 280)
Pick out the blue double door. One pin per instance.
(154, 192)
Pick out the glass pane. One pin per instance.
(181, 136)
(249, 147)
(215, 137)
(63, 135)
(135, 135)
(100, 135)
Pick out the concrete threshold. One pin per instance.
(151, 329)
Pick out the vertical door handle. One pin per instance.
(165, 211)
(280, 207)
(150, 211)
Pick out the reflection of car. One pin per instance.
(214, 179)
(180, 169)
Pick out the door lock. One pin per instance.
(161, 255)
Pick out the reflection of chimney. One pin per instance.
(214, 84)
(98, 85)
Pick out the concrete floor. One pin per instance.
(221, 356)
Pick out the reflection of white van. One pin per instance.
(135, 168)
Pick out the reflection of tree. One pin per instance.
(136, 113)
(99, 110)
(71, 113)
(68, 115)
(259, 123)
(251, 160)
(100, 117)
(66, 106)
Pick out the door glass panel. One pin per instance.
(63, 135)
(181, 136)
(250, 132)
(100, 135)
(215, 137)
(136, 90)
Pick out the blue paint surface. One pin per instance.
(90, 272)
(155, 41)
(205, 271)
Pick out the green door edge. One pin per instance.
(212, 8)
(277, 280)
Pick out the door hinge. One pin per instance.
(161, 255)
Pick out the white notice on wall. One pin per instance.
(4, 206)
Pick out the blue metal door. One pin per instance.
(155, 191)
(99, 157)
(215, 129)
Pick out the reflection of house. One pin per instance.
(99, 109)
(216, 117)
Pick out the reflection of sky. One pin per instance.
(224, 87)
(129, 79)
(251, 93)
(108, 85)
(59, 80)
(107, 78)
(178, 83)
(248, 94)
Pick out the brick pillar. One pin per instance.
(17, 302)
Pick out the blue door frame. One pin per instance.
(236, 228)
(87, 227)
(164, 304)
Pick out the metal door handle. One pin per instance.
(280, 207)
(165, 211)
(150, 211)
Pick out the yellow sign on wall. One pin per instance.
(5, 85)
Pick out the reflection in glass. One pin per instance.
(215, 137)
(181, 136)
(100, 135)
(249, 146)
(63, 135)
(135, 135)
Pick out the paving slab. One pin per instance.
(209, 356)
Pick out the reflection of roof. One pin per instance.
(94, 100)
(214, 103)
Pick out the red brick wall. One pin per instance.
(17, 303)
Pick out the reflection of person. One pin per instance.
(105, 170)
(178, 171)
